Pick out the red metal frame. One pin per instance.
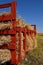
(12, 46)
(12, 15)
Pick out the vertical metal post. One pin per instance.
(13, 13)
(19, 46)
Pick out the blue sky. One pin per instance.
(30, 10)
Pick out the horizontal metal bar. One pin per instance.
(5, 5)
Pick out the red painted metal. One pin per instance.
(12, 32)
(12, 15)
(5, 5)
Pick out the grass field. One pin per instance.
(35, 57)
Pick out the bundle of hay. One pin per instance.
(4, 26)
(22, 46)
(7, 25)
(34, 38)
(5, 55)
(21, 23)
(17, 46)
(5, 39)
(31, 41)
